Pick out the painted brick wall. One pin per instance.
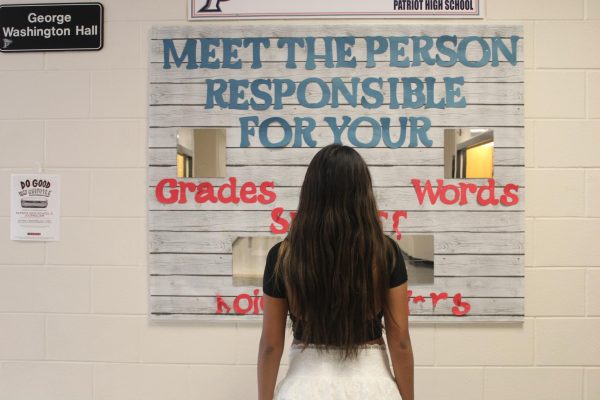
(73, 321)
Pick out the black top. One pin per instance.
(277, 289)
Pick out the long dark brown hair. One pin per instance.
(335, 259)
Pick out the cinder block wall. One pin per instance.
(73, 313)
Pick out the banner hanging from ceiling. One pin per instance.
(265, 9)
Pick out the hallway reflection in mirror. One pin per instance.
(468, 153)
(250, 255)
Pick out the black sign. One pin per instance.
(51, 26)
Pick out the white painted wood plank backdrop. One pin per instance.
(479, 251)
(504, 137)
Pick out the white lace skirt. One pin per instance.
(324, 377)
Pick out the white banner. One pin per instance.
(35, 207)
(264, 9)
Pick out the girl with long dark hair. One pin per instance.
(337, 274)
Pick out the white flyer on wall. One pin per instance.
(35, 207)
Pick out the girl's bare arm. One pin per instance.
(398, 341)
(271, 344)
